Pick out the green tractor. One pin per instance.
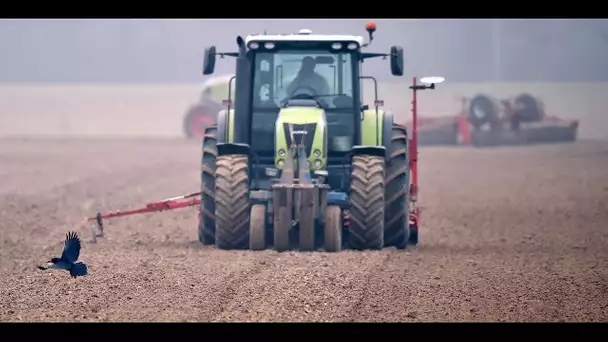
(203, 113)
(293, 164)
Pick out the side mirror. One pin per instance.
(364, 108)
(397, 60)
(209, 60)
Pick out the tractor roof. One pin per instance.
(304, 35)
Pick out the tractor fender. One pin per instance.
(225, 149)
(377, 151)
(387, 132)
(368, 130)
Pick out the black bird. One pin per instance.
(71, 252)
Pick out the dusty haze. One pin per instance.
(515, 234)
(170, 51)
(138, 77)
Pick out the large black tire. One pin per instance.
(206, 225)
(397, 191)
(232, 202)
(281, 234)
(487, 111)
(366, 229)
(531, 110)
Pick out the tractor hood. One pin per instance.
(302, 125)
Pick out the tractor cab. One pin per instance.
(300, 77)
(304, 87)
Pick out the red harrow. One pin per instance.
(486, 121)
(178, 202)
(193, 199)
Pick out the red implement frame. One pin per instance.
(413, 152)
(184, 201)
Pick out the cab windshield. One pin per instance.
(303, 74)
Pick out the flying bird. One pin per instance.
(71, 252)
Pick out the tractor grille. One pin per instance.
(302, 134)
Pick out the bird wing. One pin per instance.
(71, 249)
(78, 269)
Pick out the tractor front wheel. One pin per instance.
(257, 228)
(281, 228)
(232, 202)
(333, 229)
(366, 229)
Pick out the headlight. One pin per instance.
(269, 45)
(317, 153)
(281, 153)
(254, 45)
(318, 164)
(353, 46)
(336, 46)
(281, 163)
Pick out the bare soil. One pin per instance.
(508, 234)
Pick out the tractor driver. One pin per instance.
(308, 78)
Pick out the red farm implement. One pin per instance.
(486, 121)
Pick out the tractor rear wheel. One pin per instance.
(232, 202)
(366, 230)
(257, 228)
(396, 212)
(206, 224)
(333, 229)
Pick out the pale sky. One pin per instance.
(161, 51)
